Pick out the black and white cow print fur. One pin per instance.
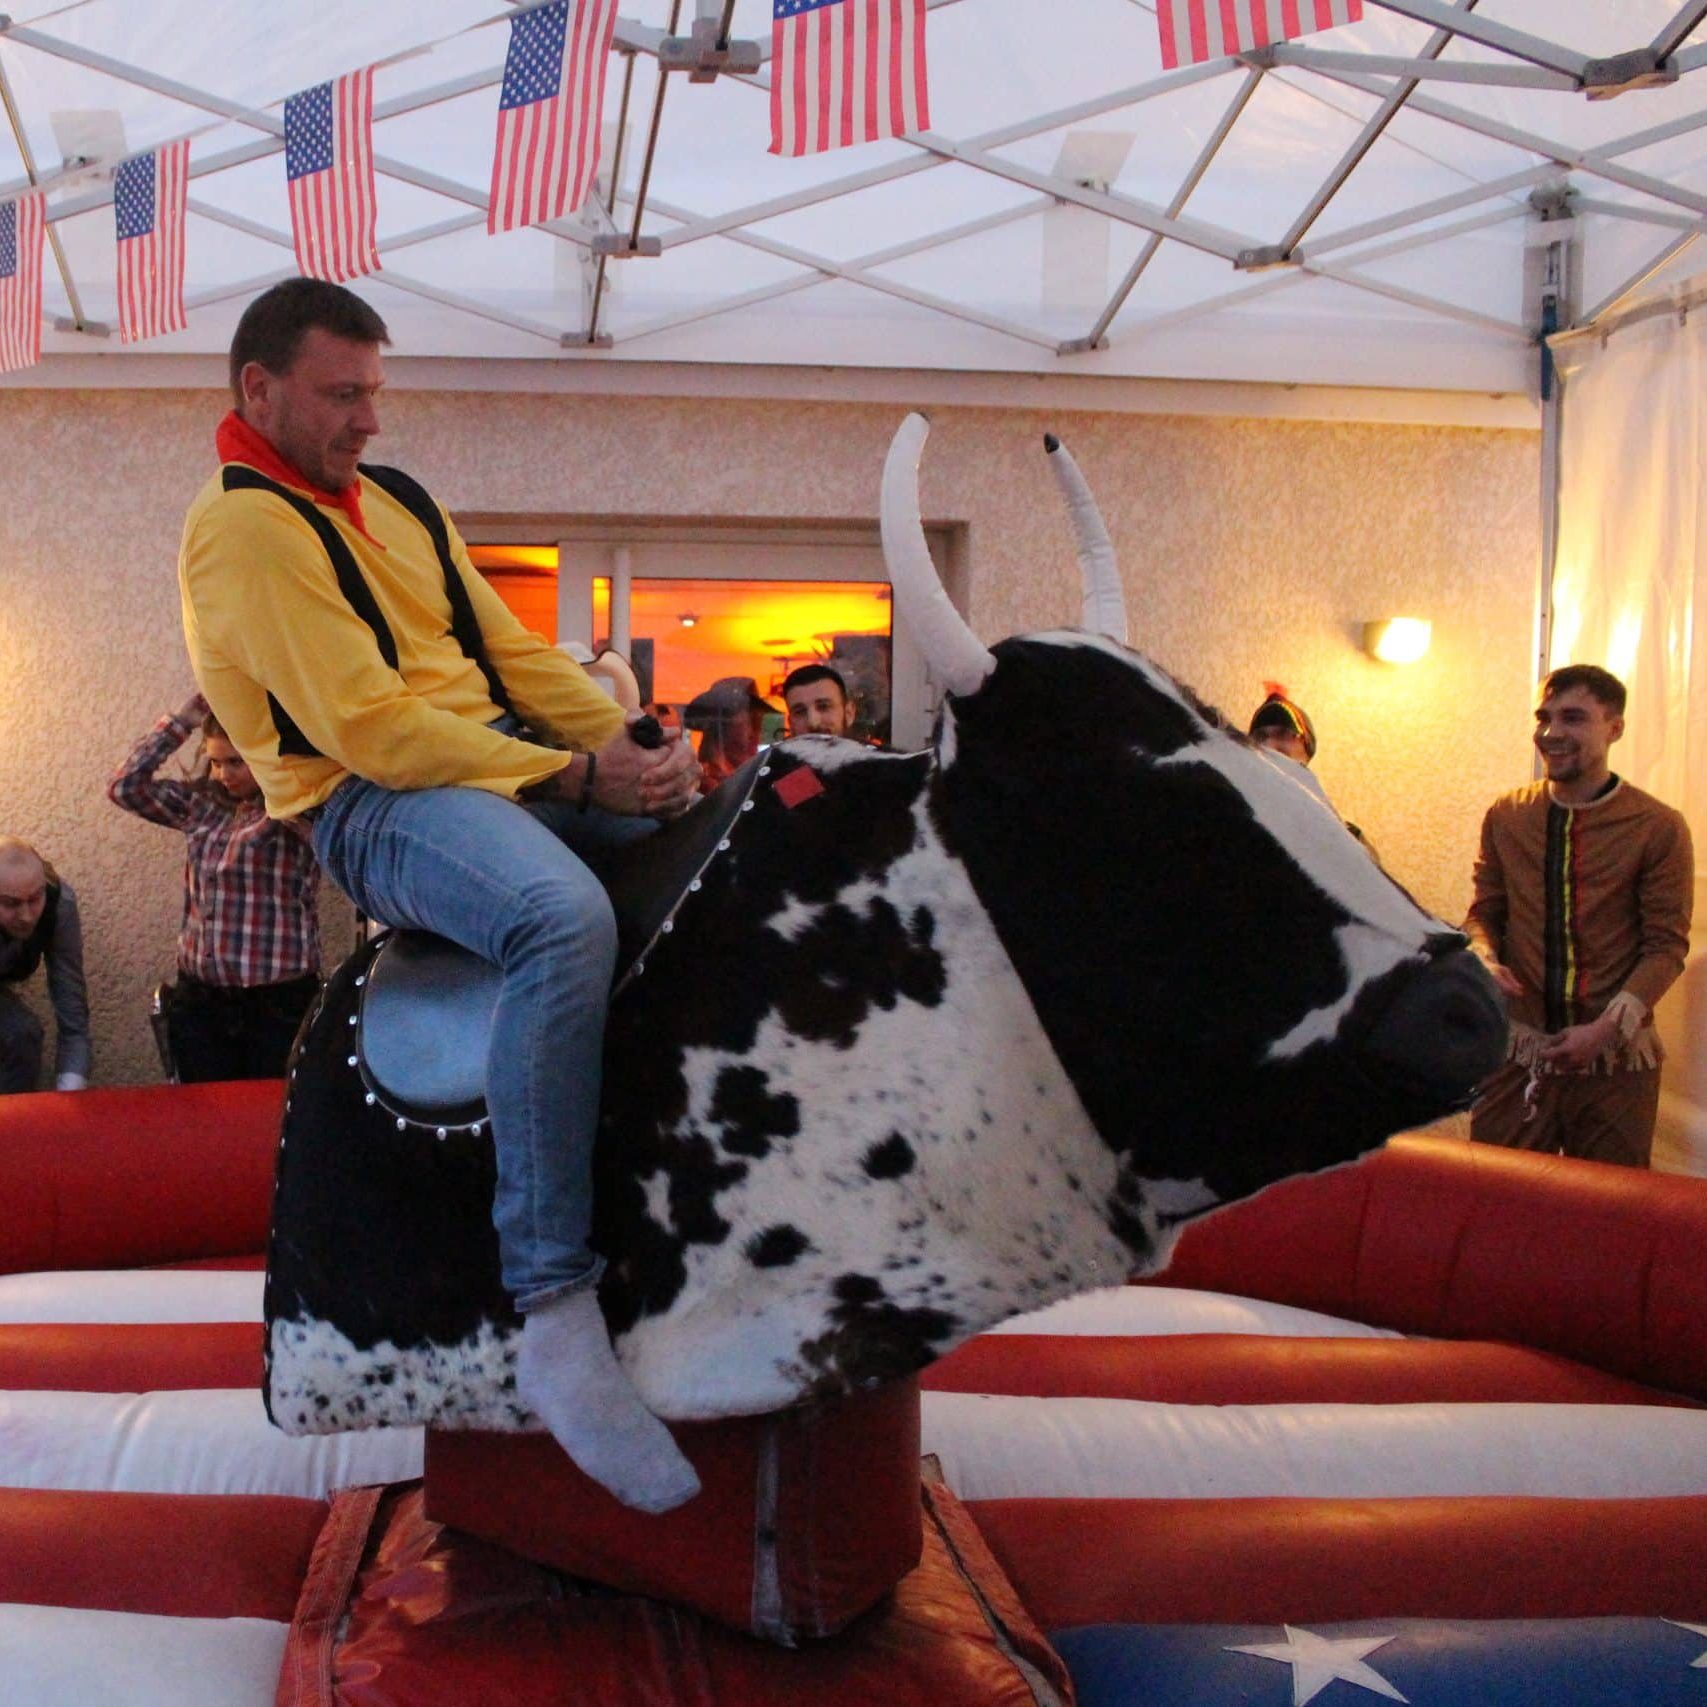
(963, 1033)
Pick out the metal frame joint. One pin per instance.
(1640, 68)
(1264, 259)
(622, 246)
(703, 59)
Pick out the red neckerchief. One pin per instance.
(237, 441)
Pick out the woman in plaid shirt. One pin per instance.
(249, 948)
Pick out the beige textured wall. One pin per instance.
(1250, 549)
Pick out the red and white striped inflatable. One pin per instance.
(1449, 1383)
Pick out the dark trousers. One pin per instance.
(1602, 1117)
(229, 1032)
(20, 1045)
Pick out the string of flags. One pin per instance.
(329, 169)
(21, 226)
(549, 112)
(149, 196)
(842, 72)
(846, 71)
(1195, 31)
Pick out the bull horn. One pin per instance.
(1105, 598)
(959, 659)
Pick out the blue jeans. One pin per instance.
(517, 886)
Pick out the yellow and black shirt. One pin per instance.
(315, 676)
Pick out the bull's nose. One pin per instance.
(1444, 1028)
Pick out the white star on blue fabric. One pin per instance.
(308, 131)
(533, 66)
(1317, 1661)
(133, 196)
(1700, 1630)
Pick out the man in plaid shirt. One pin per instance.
(249, 948)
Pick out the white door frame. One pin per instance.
(626, 552)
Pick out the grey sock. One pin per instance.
(568, 1374)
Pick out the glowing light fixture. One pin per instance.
(687, 619)
(1397, 639)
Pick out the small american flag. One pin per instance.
(549, 112)
(846, 71)
(329, 166)
(20, 282)
(149, 192)
(1197, 30)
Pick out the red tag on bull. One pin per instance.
(798, 786)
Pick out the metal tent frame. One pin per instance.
(1528, 173)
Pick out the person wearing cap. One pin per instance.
(1285, 733)
(729, 718)
(1282, 729)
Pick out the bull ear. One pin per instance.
(1105, 598)
(958, 657)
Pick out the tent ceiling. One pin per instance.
(1063, 167)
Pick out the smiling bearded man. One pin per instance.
(1583, 892)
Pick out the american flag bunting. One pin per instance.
(329, 168)
(1197, 30)
(149, 193)
(21, 228)
(549, 112)
(846, 71)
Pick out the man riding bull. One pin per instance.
(459, 775)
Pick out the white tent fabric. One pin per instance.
(1023, 225)
(1630, 590)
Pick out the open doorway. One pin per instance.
(697, 607)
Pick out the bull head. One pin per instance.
(1210, 953)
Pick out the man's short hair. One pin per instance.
(807, 674)
(1597, 683)
(275, 323)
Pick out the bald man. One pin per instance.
(39, 922)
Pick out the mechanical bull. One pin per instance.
(907, 1044)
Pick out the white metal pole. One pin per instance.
(621, 585)
(1550, 463)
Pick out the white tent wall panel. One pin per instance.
(1251, 548)
(1629, 591)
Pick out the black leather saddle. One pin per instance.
(425, 1008)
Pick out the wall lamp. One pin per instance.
(1397, 639)
(687, 619)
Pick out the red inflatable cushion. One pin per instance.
(804, 1519)
(1266, 1369)
(1470, 1241)
(124, 1178)
(129, 1357)
(1272, 1561)
(171, 1555)
(401, 1612)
